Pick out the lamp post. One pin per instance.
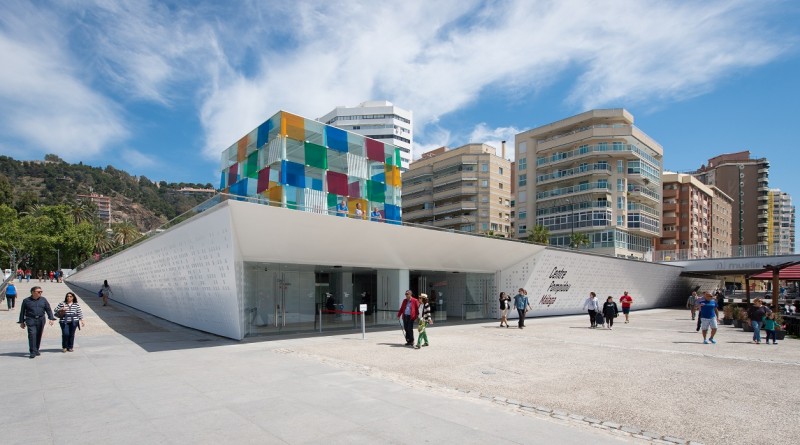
(571, 222)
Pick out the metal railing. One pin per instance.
(695, 254)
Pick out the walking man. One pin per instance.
(522, 305)
(626, 301)
(11, 295)
(709, 316)
(31, 315)
(691, 303)
(409, 310)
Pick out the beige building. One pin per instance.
(721, 224)
(686, 220)
(595, 174)
(746, 180)
(467, 188)
(781, 223)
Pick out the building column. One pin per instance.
(392, 285)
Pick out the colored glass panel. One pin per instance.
(241, 149)
(233, 174)
(275, 195)
(314, 178)
(315, 132)
(354, 204)
(398, 161)
(392, 176)
(316, 155)
(354, 189)
(262, 133)
(392, 213)
(374, 150)
(263, 180)
(251, 170)
(336, 139)
(337, 183)
(332, 201)
(376, 191)
(293, 126)
(292, 174)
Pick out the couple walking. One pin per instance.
(520, 303)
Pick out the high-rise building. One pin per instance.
(593, 174)
(380, 120)
(781, 223)
(746, 180)
(467, 188)
(686, 220)
(721, 231)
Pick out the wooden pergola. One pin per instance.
(785, 271)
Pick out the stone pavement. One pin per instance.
(136, 379)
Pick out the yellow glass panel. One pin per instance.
(392, 176)
(275, 194)
(241, 149)
(293, 126)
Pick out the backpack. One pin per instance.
(598, 318)
(100, 293)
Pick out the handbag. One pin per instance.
(61, 312)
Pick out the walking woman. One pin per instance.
(70, 316)
(593, 306)
(105, 291)
(610, 311)
(505, 305)
(424, 320)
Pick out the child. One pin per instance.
(424, 319)
(769, 326)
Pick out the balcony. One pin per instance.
(455, 191)
(458, 220)
(669, 220)
(669, 193)
(592, 187)
(590, 169)
(635, 191)
(455, 207)
(453, 177)
(673, 207)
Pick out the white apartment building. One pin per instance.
(595, 174)
(781, 223)
(377, 119)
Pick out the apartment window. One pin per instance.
(468, 228)
(500, 170)
(485, 183)
(523, 180)
(620, 166)
(523, 197)
(620, 202)
(484, 199)
(494, 227)
(523, 164)
(484, 167)
(523, 147)
(522, 229)
(620, 185)
(485, 226)
(620, 221)
(523, 214)
(500, 184)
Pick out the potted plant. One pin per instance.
(780, 334)
(727, 314)
(736, 313)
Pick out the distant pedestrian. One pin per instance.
(341, 208)
(52, 276)
(626, 301)
(27, 275)
(769, 325)
(756, 314)
(709, 316)
(424, 320)
(691, 303)
(105, 292)
(610, 311)
(522, 305)
(19, 275)
(359, 213)
(409, 311)
(11, 296)
(505, 305)
(593, 306)
(40, 275)
(31, 316)
(70, 318)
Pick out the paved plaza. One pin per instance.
(137, 379)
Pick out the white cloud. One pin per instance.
(495, 137)
(136, 158)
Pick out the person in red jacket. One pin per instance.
(409, 310)
(626, 301)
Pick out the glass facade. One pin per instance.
(306, 165)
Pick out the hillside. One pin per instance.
(135, 199)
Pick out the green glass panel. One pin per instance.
(397, 160)
(251, 170)
(316, 156)
(376, 191)
(332, 200)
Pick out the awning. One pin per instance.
(791, 273)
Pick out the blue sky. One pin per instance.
(160, 88)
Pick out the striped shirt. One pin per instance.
(73, 313)
(426, 312)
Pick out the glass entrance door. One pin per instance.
(281, 299)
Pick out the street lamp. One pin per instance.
(571, 222)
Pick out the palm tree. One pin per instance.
(83, 210)
(102, 241)
(125, 232)
(576, 240)
(540, 234)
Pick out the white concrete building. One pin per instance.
(377, 119)
(781, 223)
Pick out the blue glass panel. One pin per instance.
(392, 214)
(293, 174)
(380, 177)
(316, 184)
(222, 176)
(263, 133)
(336, 139)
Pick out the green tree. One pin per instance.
(577, 240)
(125, 232)
(83, 211)
(539, 234)
(6, 191)
(101, 239)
